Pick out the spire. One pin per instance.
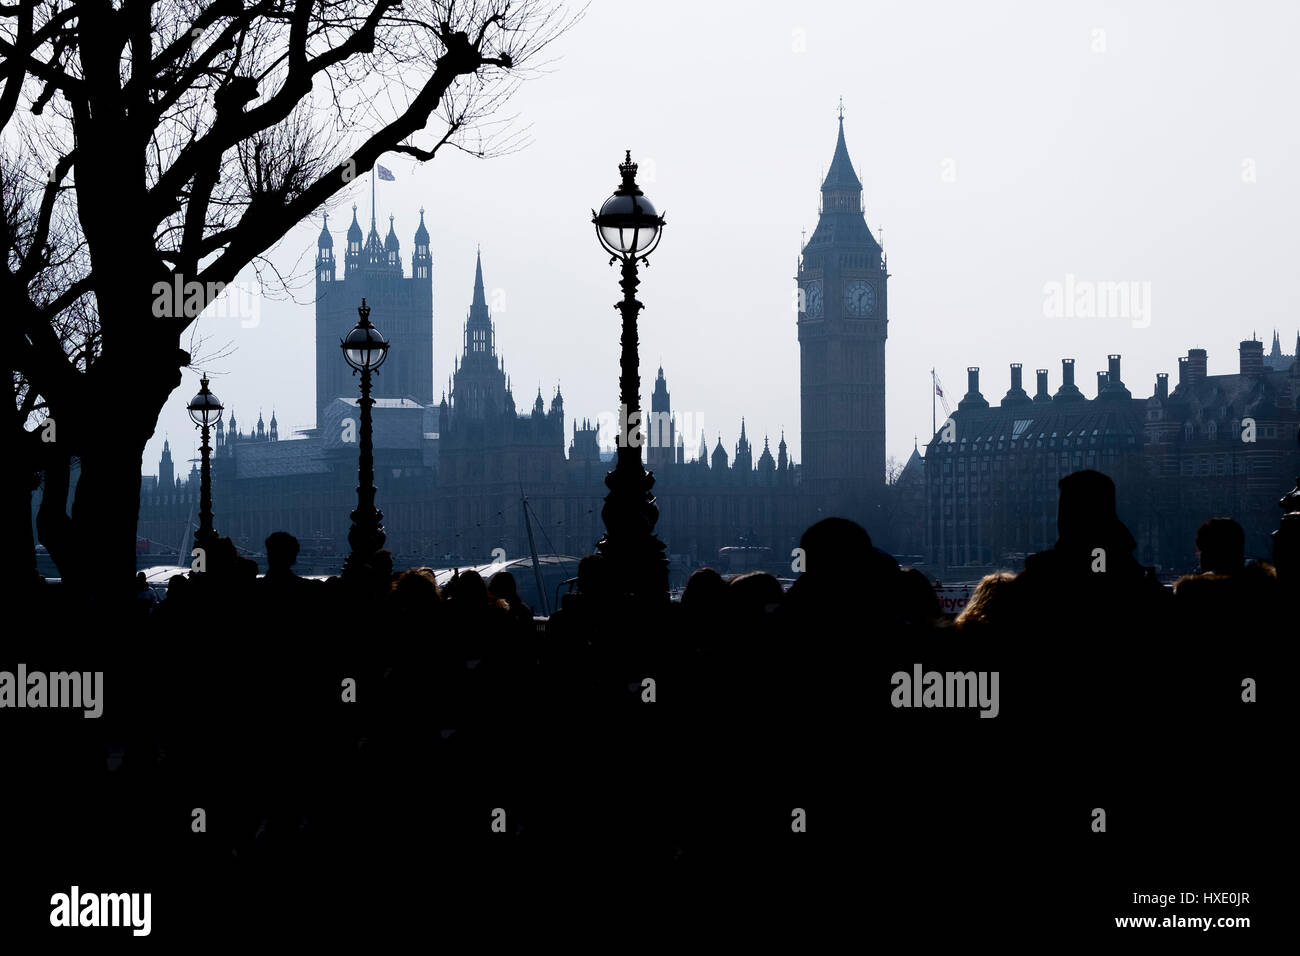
(326, 241)
(480, 300)
(354, 230)
(479, 338)
(841, 177)
(421, 233)
(390, 243)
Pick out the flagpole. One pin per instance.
(934, 387)
(372, 198)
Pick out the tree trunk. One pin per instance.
(104, 515)
(18, 570)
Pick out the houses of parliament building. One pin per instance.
(452, 474)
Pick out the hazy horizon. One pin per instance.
(999, 152)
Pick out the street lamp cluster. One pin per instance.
(629, 229)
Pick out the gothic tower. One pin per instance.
(166, 470)
(401, 307)
(479, 388)
(842, 328)
(660, 431)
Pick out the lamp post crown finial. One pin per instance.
(628, 169)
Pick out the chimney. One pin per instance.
(1252, 357)
(1113, 386)
(1182, 371)
(1068, 392)
(1162, 385)
(973, 397)
(1016, 394)
(1196, 366)
(1042, 395)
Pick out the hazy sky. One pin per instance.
(1002, 146)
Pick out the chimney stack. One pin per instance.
(1016, 394)
(1042, 395)
(1114, 385)
(1252, 357)
(1196, 366)
(1068, 392)
(1162, 385)
(1101, 383)
(1182, 371)
(973, 397)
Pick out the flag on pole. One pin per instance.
(385, 175)
(937, 389)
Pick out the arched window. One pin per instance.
(1212, 431)
(1187, 431)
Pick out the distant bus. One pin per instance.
(738, 560)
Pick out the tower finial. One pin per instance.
(841, 111)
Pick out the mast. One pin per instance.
(532, 549)
(934, 390)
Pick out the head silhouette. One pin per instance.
(1086, 509)
(505, 587)
(836, 547)
(594, 576)
(705, 591)
(754, 592)
(281, 551)
(470, 589)
(1222, 546)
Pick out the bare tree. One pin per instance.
(893, 470)
(151, 144)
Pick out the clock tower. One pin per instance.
(843, 321)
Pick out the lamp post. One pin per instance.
(205, 411)
(629, 229)
(365, 350)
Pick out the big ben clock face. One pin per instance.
(859, 298)
(813, 298)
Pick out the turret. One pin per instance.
(325, 253)
(352, 257)
(421, 260)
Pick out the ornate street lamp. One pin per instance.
(205, 411)
(629, 229)
(365, 350)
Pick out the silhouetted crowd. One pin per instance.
(360, 716)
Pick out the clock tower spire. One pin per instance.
(842, 323)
